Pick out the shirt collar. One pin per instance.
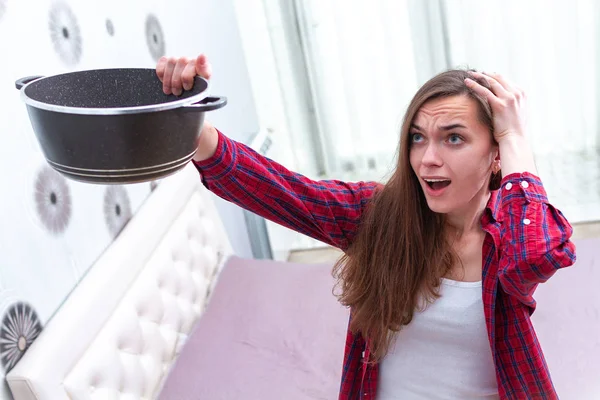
(493, 206)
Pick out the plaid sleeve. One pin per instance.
(535, 239)
(327, 210)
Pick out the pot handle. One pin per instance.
(24, 81)
(208, 104)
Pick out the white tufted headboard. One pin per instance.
(119, 332)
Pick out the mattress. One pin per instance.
(272, 330)
(275, 331)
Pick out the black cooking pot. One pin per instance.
(115, 125)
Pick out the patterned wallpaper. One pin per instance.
(53, 229)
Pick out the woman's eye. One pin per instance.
(416, 137)
(455, 139)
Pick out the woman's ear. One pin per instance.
(496, 165)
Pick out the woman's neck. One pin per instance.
(467, 221)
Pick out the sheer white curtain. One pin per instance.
(548, 47)
(333, 79)
(366, 60)
(362, 74)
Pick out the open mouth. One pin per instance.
(437, 184)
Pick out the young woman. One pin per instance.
(441, 263)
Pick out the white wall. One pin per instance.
(47, 246)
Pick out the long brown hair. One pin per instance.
(400, 251)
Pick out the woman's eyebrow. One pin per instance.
(443, 127)
(452, 126)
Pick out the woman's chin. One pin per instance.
(440, 206)
(439, 210)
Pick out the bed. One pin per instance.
(169, 312)
(120, 332)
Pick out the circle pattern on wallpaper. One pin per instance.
(154, 37)
(65, 33)
(110, 28)
(117, 209)
(52, 200)
(20, 327)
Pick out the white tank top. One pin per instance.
(444, 352)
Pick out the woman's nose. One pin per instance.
(431, 156)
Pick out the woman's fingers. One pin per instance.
(177, 74)
(176, 82)
(507, 85)
(168, 75)
(161, 65)
(203, 67)
(483, 91)
(520, 92)
(497, 87)
(188, 75)
(506, 103)
(511, 91)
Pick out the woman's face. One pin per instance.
(452, 154)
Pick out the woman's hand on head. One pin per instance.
(508, 106)
(508, 103)
(177, 74)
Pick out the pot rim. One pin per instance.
(113, 110)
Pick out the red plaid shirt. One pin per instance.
(527, 241)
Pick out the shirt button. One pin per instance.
(508, 186)
(524, 184)
(526, 221)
